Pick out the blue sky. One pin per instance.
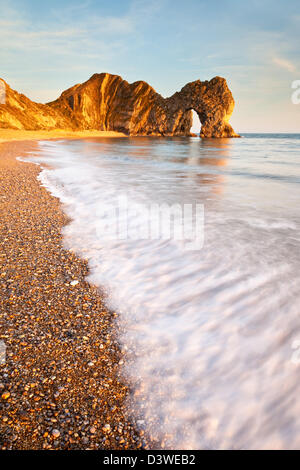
(47, 47)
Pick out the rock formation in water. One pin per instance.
(107, 102)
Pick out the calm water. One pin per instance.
(216, 332)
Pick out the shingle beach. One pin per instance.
(60, 386)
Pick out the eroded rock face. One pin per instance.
(19, 112)
(109, 103)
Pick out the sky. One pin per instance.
(47, 47)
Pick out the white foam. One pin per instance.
(211, 330)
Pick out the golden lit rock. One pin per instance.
(108, 103)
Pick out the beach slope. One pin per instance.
(60, 386)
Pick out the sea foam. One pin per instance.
(211, 331)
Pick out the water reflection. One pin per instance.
(202, 162)
(210, 153)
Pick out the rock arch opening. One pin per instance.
(196, 123)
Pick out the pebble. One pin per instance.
(106, 428)
(41, 316)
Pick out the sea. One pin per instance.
(208, 310)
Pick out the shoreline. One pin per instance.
(20, 135)
(8, 135)
(60, 387)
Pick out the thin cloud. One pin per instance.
(284, 64)
(87, 39)
(92, 36)
(114, 25)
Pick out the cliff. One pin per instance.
(19, 112)
(109, 103)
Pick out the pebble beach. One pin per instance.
(60, 381)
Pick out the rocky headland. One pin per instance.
(106, 102)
